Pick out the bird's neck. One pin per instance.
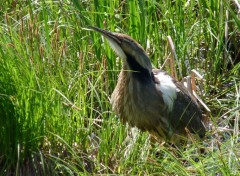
(136, 72)
(120, 94)
(127, 98)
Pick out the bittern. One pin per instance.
(150, 99)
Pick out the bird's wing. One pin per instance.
(189, 111)
(183, 110)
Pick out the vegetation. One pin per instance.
(56, 79)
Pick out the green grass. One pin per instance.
(56, 79)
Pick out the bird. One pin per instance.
(150, 99)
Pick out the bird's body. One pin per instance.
(149, 98)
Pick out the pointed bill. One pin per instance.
(112, 40)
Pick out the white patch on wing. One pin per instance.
(168, 89)
(116, 48)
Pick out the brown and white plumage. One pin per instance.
(149, 98)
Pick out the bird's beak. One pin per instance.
(106, 34)
(114, 40)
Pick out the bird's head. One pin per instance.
(129, 50)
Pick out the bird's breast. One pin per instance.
(138, 104)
